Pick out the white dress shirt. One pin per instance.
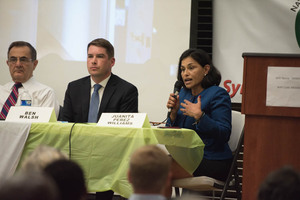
(101, 90)
(41, 95)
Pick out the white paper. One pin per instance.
(31, 114)
(134, 120)
(283, 86)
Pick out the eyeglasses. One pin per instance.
(23, 60)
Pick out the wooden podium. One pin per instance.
(272, 133)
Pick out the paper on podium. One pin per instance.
(283, 86)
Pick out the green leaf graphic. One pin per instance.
(297, 28)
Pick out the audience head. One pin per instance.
(42, 156)
(29, 186)
(281, 184)
(209, 78)
(149, 170)
(21, 60)
(69, 179)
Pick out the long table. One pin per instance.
(104, 152)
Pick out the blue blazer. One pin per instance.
(214, 128)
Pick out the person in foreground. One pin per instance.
(149, 173)
(206, 108)
(40, 157)
(281, 184)
(22, 61)
(69, 179)
(87, 98)
(29, 185)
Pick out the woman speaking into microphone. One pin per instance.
(205, 107)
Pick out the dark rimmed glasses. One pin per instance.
(23, 60)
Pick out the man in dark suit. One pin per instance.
(115, 94)
(87, 98)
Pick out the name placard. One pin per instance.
(31, 114)
(134, 120)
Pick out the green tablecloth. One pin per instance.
(104, 152)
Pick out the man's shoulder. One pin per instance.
(36, 85)
(114, 79)
(80, 81)
(8, 85)
(5, 90)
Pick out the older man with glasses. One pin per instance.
(21, 60)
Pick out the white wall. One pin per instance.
(148, 35)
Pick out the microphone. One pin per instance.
(178, 85)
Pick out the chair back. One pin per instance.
(233, 181)
(238, 120)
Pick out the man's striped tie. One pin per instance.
(11, 100)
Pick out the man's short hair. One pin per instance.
(280, 185)
(23, 44)
(41, 156)
(100, 42)
(149, 168)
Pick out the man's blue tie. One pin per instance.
(94, 105)
(11, 100)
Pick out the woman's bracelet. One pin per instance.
(198, 120)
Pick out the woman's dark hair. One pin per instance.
(213, 76)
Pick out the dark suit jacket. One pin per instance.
(119, 96)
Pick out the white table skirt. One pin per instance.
(12, 140)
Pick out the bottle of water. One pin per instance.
(25, 99)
